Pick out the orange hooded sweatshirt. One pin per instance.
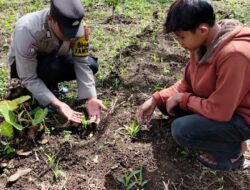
(216, 84)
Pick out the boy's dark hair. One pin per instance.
(187, 15)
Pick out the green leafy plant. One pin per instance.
(234, 10)
(67, 135)
(132, 130)
(85, 122)
(6, 148)
(106, 103)
(54, 166)
(157, 87)
(14, 118)
(166, 71)
(132, 180)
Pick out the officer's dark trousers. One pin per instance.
(52, 69)
(222, 140)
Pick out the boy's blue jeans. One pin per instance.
(222, 140)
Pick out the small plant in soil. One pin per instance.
(157, 87)
(6, 148)
(54, 166)
(16, 117)
(88, 127)
(133, 180)
(67, 135)
(132, 130)
(106, 103)
(85, 122)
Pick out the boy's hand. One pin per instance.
(146, 110)
(172, 102)
(94, 107)
(66, 111)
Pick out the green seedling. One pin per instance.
(106, 103)
(166, 71)
(132, 180)
(140, 182)
(67, 135)
(132, 130)
(54, 166)
(157, 87)
(85, 122)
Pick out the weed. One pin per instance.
(132, 180)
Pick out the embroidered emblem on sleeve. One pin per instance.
(80, 47)
(32, 50)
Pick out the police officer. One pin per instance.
(51, 46)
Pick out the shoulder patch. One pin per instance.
(31, 50)
(80, 47)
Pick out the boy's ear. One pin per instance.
(203, 29)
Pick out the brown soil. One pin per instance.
(119, 19)
(94, 162)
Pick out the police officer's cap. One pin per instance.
(68, 14)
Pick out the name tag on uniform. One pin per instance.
(80, 47)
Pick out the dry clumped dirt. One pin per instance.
(94, 160)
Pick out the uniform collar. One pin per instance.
(49, 32)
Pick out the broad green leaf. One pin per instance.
(9, 117)
(6, 129)
(13, 104)
(40, 114)
(21, 99)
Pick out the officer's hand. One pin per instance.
(68, 113)
(146, 110)
(94, 107)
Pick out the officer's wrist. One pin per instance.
(56, 103)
